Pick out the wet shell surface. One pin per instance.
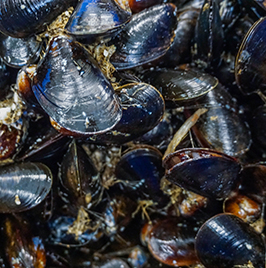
(203, 171)
(250, 60)
(146, 37)
(95, 18)
(225, 241)
(23, 18)
(23, 186)
(73, 90)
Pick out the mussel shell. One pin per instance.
(250, 61)
(225, 241)
(181, 86)
(253, 181)
(222, 127)
(171, 241)
(203, 171)
(145, 38)
(243, 207)
(23, 18)
(223, 131)
(44, 145)
(142, 109)
(209, 35)
(23, 186)
(258, 124)
(180, 50)
(59, 233)
(17, 52)
(140, 171)
(97, 18)
(22, 248)
(136, 5)
(78, 176)
(72, 89)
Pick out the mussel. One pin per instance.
(203, 171)
(22, 247)
(209, 35)
(180, 87)
(146, 37)
(72, 89)
(79, 178)
(250, 60)
(17, 52)
(140, 172)
(142, 109)
(22, 18)
(171, 241)
(92, 19)
(225, 241)
(23, 186)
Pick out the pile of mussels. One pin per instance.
(132, 133)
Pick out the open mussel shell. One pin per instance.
(97, 18)
(21, 18)
(23, 186)
(250, 61)
(226, 241)
(72, 89)
(146, 37)
(17, 52)
(181, 86)
(203, 171)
